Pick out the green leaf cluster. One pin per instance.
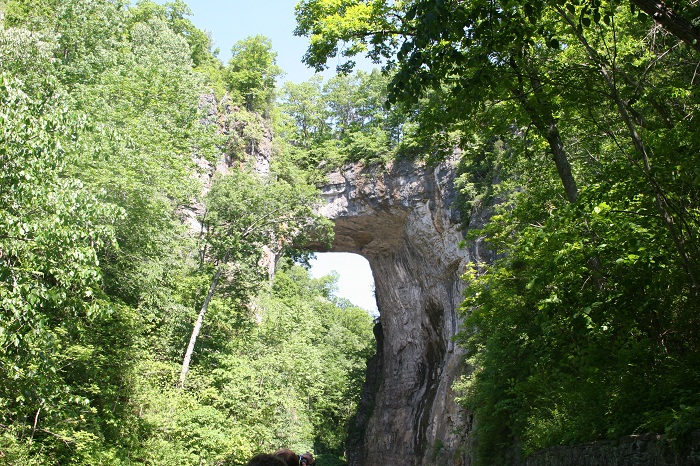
(343, 120)
(582, 330)
(251, 73)
(284, 372)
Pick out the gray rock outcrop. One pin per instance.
(401, 219)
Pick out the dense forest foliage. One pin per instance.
(577, 124)
(112, 259)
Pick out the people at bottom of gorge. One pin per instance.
(289, 457)
(265, 459)
(282, 457)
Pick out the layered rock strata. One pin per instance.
(402, 220)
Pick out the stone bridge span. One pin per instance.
(400, 218)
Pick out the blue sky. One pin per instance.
(229, 21)
(232, 20)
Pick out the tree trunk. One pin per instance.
(198, 322)
(561, 161)
(543, 119)
(666, 17)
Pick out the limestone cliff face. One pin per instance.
(402, 221)
(242, 150)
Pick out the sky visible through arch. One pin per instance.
(355, 282)
(229, 21)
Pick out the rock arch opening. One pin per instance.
(355, 281)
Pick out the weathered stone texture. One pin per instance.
(401, 220)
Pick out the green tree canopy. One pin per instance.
(252, 71)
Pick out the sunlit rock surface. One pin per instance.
(402, 220)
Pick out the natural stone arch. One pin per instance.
(401, 219)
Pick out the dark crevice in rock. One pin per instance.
(430, 371)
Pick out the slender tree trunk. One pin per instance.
(543, 119)
(561, 161)
(198, 322)
(666, 17)
(36, 421)
(640, 148)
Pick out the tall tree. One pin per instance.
(246, 214)
(642, 150)
(305, 105)
(341, 120)
(252, 71)
(51, 229)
